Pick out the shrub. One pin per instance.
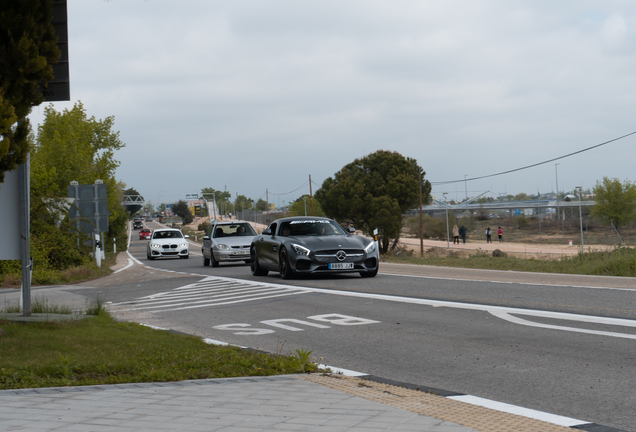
(203, 226)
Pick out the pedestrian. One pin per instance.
(500, 235)
(455, 235)
(463, 231)
(488, 235)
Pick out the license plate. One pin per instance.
(340, 266)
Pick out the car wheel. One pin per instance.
(255, 267)
(214, 262)
(285, 269)
(184, 256)
(149, 257)
(206, 261)
(371, 273)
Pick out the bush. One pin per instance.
(203, 226)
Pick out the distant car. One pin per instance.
(312, 245)
(144, 234)
(148, 219)
(138, 224)
(168, 242)
(227, 242)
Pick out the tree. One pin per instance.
(373, 192)
(615, 202)
(181, 209)
(297, 208)
(71, 146)
(28, 51)
(242, 202)
(261, 205)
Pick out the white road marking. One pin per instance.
(526, 412)
(521, 321)
(130, 264)
(511, 283)
(208, 292)
(219, 291)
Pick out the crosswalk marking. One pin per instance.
(209, 292)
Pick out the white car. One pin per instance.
(228, 242)
(168, 242)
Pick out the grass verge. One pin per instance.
(618, 262)
(102, 351)
(42, 276)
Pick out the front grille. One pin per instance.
(172, 246)
(335, 251)
(353, 255)
(241, 247)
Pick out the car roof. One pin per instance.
(167, 229)
(232, 223)
(293, 218)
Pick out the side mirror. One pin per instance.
(267, 231)
(186, 236)
(351, 230)
(206, 237)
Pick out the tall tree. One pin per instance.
(373, 192)
(302, 205)
(615, 201)
(71, 146)
(28, 49)
(181, 209)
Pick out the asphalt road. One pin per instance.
(556, 344)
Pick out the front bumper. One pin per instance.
(232, 255)
(168, 252)
(305, 265)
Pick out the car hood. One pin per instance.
(331, 242)
(234, 241)
(169, 241)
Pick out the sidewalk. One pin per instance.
(288, 402)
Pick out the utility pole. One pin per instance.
(466, 186)
(421, 221)
(267, 199)
(311, 196)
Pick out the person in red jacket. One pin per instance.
(500, 235)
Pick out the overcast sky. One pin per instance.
(261, 94)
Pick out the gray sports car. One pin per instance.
(311, 245)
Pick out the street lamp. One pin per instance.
(447, 232)
(581, 216)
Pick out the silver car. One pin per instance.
(167, 242)
(227, 242)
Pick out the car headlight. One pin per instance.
(370, 247)
(155, 246)
(222, 247)
(182, 245)
(300, 250)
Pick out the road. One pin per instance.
(554, 343)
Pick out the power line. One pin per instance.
(290, 192)
(533, 165)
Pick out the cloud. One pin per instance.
(262, 94)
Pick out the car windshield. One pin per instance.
(311, 227)
(234, 230)
(167, 235)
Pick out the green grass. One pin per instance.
(103, 351)
(43, 276)
(619, 262)
(41, 305)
